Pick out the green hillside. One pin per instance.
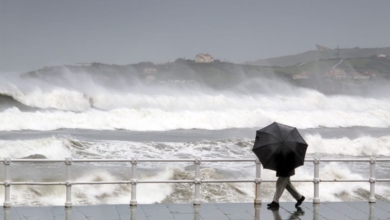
(314, 56)
(377, 65)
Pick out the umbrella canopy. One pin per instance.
(280, 147)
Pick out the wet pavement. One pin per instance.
(207, 211)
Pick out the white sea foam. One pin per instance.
(362, 146)
(183, 193)
(156, 119)
(80, 103)
(73, 100)
(58, 148)
(36, 93)
(59, 98)
(51, 148)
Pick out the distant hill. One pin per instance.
(313, 56)
(379, 66)
(218, 75)
(224, 75)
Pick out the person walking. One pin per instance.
(283, 182)
(281, 148)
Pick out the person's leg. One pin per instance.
(291, 189)
(294, 192)
(281, 184)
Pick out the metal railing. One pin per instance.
(197, 180)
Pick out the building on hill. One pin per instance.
(335, 74)
(369, 73)
(339, 74)
(303, 75)
(356, 75)
(382, 55)
(204, 58)
(149, 70)
(329, 74)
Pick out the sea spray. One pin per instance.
(183, 192)
(361, 146)
(161, 120)
(61, 147)
(86, 100)
(62, 99)
(50, 148)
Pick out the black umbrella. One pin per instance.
(280, 147)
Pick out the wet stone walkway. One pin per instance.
(208, 211)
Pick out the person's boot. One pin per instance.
(273, 205)
(299, 201)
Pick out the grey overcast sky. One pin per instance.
(37, 33)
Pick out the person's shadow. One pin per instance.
(294, 215)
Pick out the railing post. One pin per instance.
(257, 211)
(68, 212)
(372, 180)
(133, 212)
(372, 211)
(68, 163)
(197, 181)
(196, 212)
(7, 183)
(133, 201)
(316, 181)
(316, 214)
(258, 182)
(6, 213)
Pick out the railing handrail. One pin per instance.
(192, 181)
(197, 180)
(368, 159)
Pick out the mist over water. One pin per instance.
(75, 100)
(85, 101)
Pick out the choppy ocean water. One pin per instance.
(78, 116)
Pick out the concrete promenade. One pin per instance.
(207, 211)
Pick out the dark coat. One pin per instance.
(283, 170)
(283, 173)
